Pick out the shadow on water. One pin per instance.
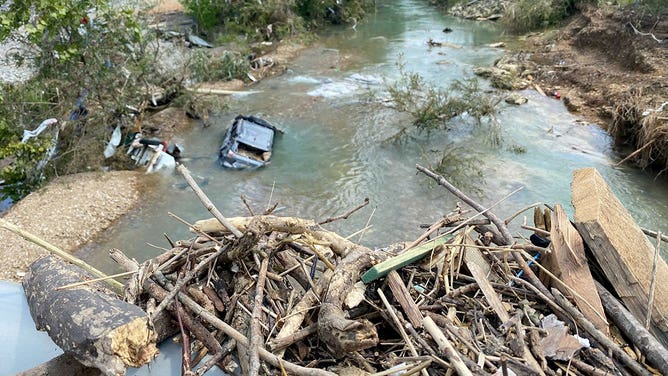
(332, 155)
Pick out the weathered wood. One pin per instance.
(654, 352)
(446, 347)
(569, 264)
(403, 297)
(64, 364)
(623, 251)
(206, 202)
(596, 334)
(88, 322)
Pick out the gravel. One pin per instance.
(69, 212)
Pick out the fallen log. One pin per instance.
(88, 322)
(654, 352)
(620, 247)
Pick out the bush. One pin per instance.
(526, 15)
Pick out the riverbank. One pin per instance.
(69, 212)
(608, 65)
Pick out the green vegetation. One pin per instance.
(432, 109)
(272, 19)
(525, 15)
(106, 62)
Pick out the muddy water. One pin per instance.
(332, 155)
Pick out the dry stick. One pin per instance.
(256, 339)
(243, 341)
(654, 234)
(77, 284)
(346, 215)
(115, 285)
(186, 278)
(649, 346)
(400, 327)
(446, 347)
(634, 153)
(206, 202)
(652, 285)
(279, 344)
(598, 335)
(507, 236)
(186, 368)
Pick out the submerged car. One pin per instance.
(248, 143)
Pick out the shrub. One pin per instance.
(526, 15)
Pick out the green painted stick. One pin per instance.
(403, 259)
(114, 284)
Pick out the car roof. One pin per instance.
(255, 135)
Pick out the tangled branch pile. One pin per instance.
(267, 294)
(282, 295)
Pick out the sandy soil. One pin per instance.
(69, 212)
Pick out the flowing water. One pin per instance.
(332, 155)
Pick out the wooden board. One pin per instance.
(403, 259)
(568, 262)
(619, 245)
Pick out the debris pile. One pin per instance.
(279, 295)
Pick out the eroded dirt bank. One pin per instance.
(608, 72)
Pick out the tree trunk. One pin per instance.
(88, 322)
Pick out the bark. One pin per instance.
(88, 322)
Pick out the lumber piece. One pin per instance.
(653, 350)
(568, 263)
(620, 247)
(89, 322)
(405, 258)
(403, 297)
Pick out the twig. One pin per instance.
(190, 275)
(634, 153)
(244, 199)
(93, 281)
(256, 335)
(114, 284)
(446, 347)
(399, 326)
(186, 367)
(654, 234)
(644, 34)
(346, 215)
(206, 202)
(509, 219)
(652, 285)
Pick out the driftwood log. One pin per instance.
(88, 322)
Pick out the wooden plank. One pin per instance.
(568, 262)
(621, 248)
(403, 297)
(403, 259)
(480, 277)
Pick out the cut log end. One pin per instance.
(134, 342)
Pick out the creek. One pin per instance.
(334, 153)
